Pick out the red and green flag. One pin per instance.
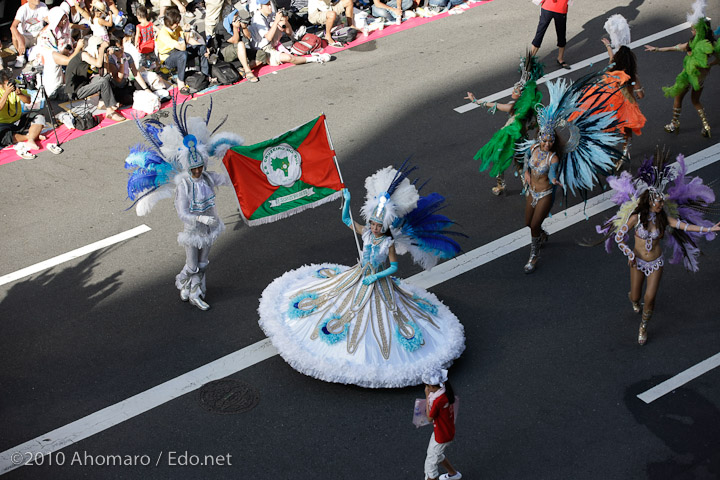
(284, 175)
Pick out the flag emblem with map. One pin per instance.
(284, 175)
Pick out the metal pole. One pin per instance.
(337, 166)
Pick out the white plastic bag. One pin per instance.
(145, 101)
(420, 418)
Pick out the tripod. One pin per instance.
(42, 95)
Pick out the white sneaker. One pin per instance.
(20, 62)
(300, 32)
(447, 476)
(322, 57)
(68, 120)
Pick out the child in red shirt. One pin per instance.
(145, 32)
(440, 408)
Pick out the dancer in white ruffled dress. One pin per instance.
(359, 325)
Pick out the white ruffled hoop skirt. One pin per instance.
(326, 324)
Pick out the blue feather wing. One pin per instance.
(428, 230)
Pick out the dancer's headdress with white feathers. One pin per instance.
(169, 154)
(619, 31)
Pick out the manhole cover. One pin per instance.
(228, 396)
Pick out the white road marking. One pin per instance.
(680, 379)
(256, 353)
(135, 405)
(603, 57)
(66, 257)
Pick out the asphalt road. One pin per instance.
(549, 380)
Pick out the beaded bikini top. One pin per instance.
(540, 163)
(648, 236)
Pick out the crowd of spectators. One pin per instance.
(120, 47)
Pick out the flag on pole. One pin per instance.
(284, 175)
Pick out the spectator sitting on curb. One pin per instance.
(26, 27)
(125, 76)
(389, 12)
(325, 12)
(79, 85)
(17, 127)
(145, 64)
(54, 47)
(174, 51)
(234, 32)
(266, 29)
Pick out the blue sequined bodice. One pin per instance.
(375, 249)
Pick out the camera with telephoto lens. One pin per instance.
(283, 12)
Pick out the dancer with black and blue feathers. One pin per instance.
(175, 160)
(360, 325)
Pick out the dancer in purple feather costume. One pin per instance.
(646, 207)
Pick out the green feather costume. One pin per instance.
(697, 60)
(499, 151)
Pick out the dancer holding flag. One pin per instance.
(176, 161)
(359, 325)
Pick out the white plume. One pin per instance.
(617, 27)
(698, 11)
(403, 200)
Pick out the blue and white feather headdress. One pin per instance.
(414, 221)
(170, 151)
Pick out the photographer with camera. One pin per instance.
(267, 28)
(22, 129)
(80, 85)
(234, 37)
(125, 76)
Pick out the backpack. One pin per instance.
(345, 34)
(225, 72)
(196, 82)
(307, 44)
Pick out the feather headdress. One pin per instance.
(531, 69)
(698, 12)
(414, 221)
(687, 199)
(389, 195)
(587, 141)
(619, 31)
(170, 152)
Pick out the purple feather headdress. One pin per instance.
(687, 199)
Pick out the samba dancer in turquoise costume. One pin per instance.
(359, 325)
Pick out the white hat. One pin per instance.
(92, 45)
(435, 377)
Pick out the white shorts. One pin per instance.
(435, 455)
(317, 17)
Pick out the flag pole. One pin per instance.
(337, 166)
